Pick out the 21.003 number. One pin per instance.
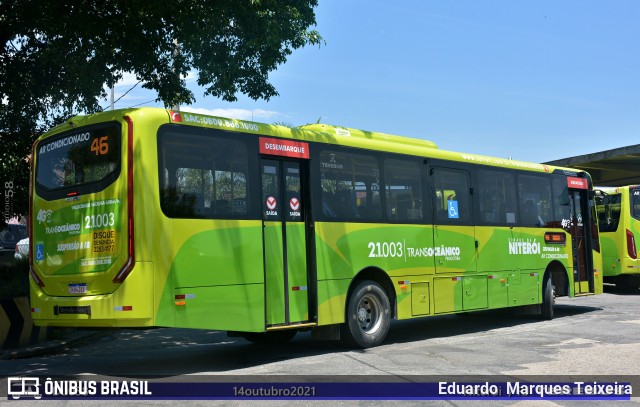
(100, 220)
(385, 249)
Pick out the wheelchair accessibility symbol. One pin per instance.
(453, 210)
(40, 251)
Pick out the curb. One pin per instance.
(74, 339)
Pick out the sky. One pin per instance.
(527, 80)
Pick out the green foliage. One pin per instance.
(284, 124)
(56, 57)
(14, 279)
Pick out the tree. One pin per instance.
(58, 55)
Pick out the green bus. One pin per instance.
(619, 223)
(151, 217)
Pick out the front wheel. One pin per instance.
(627, 283)
(548, 299)
(368, 316)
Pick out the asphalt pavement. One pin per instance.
(60, 339)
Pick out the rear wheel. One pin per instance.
(368, 316)
(548, 298)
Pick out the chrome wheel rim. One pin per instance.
(369, 314)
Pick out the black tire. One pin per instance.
(368, 316)
(270, 338)
(628, 283)
(548, 298)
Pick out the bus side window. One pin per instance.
(496, 197)
(535, 200)
(452, 195)
(204, 174)
(403, 190)
(350, 186)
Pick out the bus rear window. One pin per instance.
(82, 161)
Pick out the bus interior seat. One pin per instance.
(615, 211)
(602, 213)
(188, 204)
(372, 211)
(615, 214)
(345, 204)
(404, 203)
(221, 207)
(328, 203)
(530, 213)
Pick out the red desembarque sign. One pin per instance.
(285, 148)
(577, 183)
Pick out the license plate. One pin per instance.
(80, 288)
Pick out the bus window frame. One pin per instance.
(316, 150)
(92, 187)
(253, 166)
(470, 174)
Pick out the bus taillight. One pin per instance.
(35, 277)
(128, 266)
(631, 245)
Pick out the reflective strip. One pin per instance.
(184, 296)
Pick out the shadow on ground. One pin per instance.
(170, 352)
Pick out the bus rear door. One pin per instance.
(285, 211)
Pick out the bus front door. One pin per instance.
(579, 230)
(284, 212)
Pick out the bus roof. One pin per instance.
(318, 132)
(369, 135)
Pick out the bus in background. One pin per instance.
(150, 217)
(619, 224)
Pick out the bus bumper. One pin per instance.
(130, 305)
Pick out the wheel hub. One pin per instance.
(368, 314)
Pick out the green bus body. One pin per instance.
(148, 217)
(619, 223)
